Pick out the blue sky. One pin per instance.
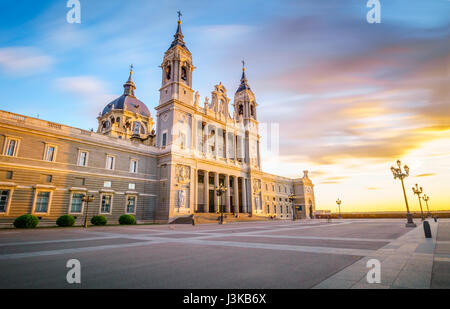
(347, 94)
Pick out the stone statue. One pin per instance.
(181, 199)
(206, 103)
(197, 97)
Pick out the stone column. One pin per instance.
(206, 191)
(227, 185)
(216, 198)
(194, 189)
(244, 196)
(236, 194)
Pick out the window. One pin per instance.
(131, 186)
(4, 198)
(137, 127)
(164, 139)
(106, 203)
(133, 166)
(50, 152)
(131, 204)
(77, 203)
(9, 175)
(42, 201)
(83, 158)
(46, 178)
(110, 162)
(11, 147)
(107, 184)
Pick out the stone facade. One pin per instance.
(156, 175)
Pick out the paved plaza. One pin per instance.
(273, 254)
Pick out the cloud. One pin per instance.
(24, 61)
(92, 92)
(426, 175)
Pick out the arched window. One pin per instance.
(184, 73)
(137, 127)
(252, 111)
(241, 109)
(168, 72)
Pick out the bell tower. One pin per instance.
(245, 115)
(177, 67)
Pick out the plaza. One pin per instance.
(269, 254)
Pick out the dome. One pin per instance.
(127, 103)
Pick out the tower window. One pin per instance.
(241, 110)
(168, 72)
(252, 110)
(164, 139)
(184, 73)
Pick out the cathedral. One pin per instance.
(199, 157)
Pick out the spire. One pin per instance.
(178, 37)
(243, 84)
(129, 86)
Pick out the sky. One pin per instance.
(346, 97)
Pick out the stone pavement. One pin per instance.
(408, 262)
(274, 254)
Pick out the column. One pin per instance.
(236, 194)
(195, 190)
(216, 198)
(206, 191)
(227, 185)
(216, 141)
(244, 196)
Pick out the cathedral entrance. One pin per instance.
(211, 201)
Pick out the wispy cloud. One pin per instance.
(24, 61)
(426, 175)
(92, 92)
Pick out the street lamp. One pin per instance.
(419, 191)
(87, 199)
(426, 198)
(398, 173)
(294, 210)
(221, 190)
(338, 202)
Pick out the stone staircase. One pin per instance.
(202, 218)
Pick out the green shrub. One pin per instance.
(65, 220)
(99, 220)
(26, 222)
(127, 220)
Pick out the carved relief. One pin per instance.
(182, 174)
(256, 186)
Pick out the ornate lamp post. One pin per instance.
(87, 199)
(419, 191)
(338, 202)
(426, 198)
(398, 173)
(221, 190)
(294, 210)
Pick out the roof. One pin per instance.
(128, 103)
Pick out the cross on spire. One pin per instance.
(131, 68)
(243, 65)
(179, 15)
